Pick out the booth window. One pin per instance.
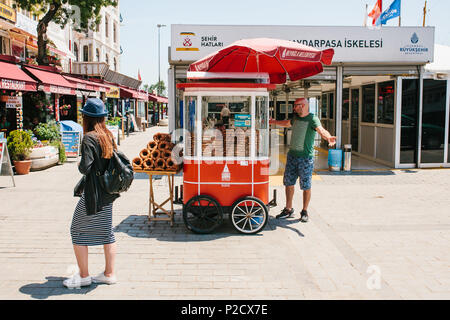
(345, 104)
(324, 106)
(368, 100)
(190, 117)
(331, 104)
(262, 134)
(433, 120)
(386, 102)
(410, 106)
(226, 123)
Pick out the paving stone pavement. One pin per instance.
(374, 235)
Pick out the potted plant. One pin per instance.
(20, 146)
(54, 152)
(65, 109)
(47, 132)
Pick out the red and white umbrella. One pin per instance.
(273, 56)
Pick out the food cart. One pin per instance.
(226, 159)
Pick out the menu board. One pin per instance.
(14, 102)
(4, 158)
(115, 132)
(71, 141)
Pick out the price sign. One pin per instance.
(71, 141)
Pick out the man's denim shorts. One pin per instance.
(297, 167)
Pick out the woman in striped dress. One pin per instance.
(92, 220)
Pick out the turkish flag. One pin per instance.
(376, 11)
(139, 75)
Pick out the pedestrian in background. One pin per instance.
(92, 220)
(300, 159)
(225, 115)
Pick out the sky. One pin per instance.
(139, 33)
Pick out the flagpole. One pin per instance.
(424, 13)
(365, 15)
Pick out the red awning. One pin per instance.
(158, 99)
(13, 78)
(82, 84)
(142, 95)
(102, 86)
(53, 82)
(128, 93)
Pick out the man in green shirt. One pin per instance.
(300, 160)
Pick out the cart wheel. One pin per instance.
(249, 215)
(202, 214)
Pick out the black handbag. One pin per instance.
(118, 176)
(79, 188)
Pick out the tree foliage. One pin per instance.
(81, 14)
(159, 87)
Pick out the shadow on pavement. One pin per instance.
(138, 226)
(52, 288)
(286, 224)
(357, 173)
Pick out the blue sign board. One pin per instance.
(71, 141)
(242, 121)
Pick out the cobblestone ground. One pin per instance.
(380, 235)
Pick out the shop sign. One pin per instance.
(7, 13)
(13, 84)
(14, 102)
(242, 121)
(60, 90)
(114, 93)
(71, 141)
(351, 44)
(81, 86)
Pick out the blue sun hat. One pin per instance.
(94, 108)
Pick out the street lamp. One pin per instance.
(159, 55)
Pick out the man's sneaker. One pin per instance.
(305, 217)
(76, 282)
(101, 278)
(285, 214)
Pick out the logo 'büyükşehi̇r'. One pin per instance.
(187, 42)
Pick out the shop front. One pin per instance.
(14, 85)
(113, 102)
(70, 105)
(377, 96)
(60, 94)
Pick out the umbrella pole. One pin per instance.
(286, 115)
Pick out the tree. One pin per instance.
(159, 87)
(84, 15)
